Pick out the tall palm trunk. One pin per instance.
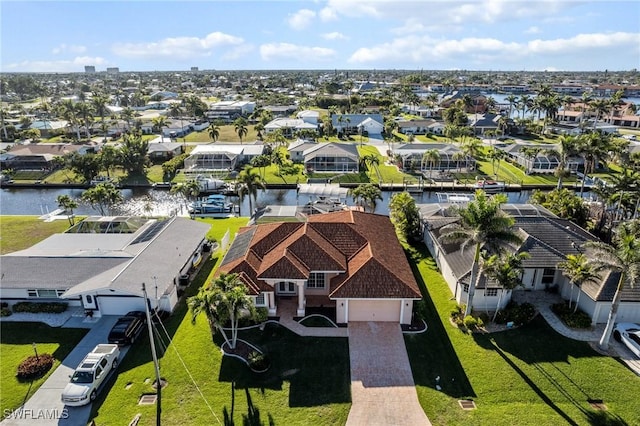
(575, 309)
(613, 313)
(475, 269)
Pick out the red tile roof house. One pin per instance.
(351, 260)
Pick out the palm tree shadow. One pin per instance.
(602, 418)
(253, 416)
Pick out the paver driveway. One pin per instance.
(382, 387)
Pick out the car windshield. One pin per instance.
(635, 337)
(82, 377)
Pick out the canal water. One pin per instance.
(37, 201)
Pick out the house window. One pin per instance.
(286, 287)
(260, 300)
(548, 276)
(45, 293)
(491, 292)
(465, 288)
(316, 280)
(32, 293)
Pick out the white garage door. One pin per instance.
(374, 310)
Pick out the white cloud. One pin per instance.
(288, 51)
(301, 19)
(532, 30)
(327, 14)
(238, 52)
(71, 65)
(178, 47)
(334, 36)
(621, 42)
(70, 48)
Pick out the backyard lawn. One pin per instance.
(16, 339)
(525, 376)
(21, 232)
(307, 383)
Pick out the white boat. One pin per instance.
(212, 206)
(210, 184)
(489, 186)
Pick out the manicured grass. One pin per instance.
(227, 133)
(525, 376)
(16, 339)
(308, 381)
(21, 232)
(388, 173)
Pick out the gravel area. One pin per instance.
(53, 320)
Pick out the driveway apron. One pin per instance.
(44, 406)
(382, 388)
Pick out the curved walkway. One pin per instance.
(543, 301)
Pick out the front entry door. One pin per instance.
(286, 288)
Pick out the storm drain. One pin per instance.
(147, 399)
(467, 404)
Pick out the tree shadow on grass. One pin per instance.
(431, 354)
(317, 369)
(253, 416)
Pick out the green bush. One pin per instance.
(470, 322)
(34, 367)
(518, 314)
(577, 319)
(258, 361)
(36, 308)
(262, 314)
(420, 309)
(5, 312)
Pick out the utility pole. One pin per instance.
(154, 356)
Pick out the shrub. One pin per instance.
(35, 307)
(470, 322)
(577, 319)
(34, 367)
(5, 312)
(420, 309)
(518, 314)
(261, 315)
(258, 361)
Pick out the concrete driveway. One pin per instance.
(44, 408)
(382, 387)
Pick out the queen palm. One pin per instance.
(622, 257)
(214, 132)
(127, 115)
(224, 301)
(158, 123)
(484, 225)
(99, 103)
(431, 156)
(600, 107)
(189, 189)
(506, 270)
(68, 204)
(578, 270)
(512, 100)
(367, 193)
(102, 197)
(566, 147)
(68, 111)
(248, 184)
(240, 127)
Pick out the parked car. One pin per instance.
(127, 329)
(90, 374)
(629, 334)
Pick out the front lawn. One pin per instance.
(21, 232)
(525, 376)
(16, 339)
(308, 382)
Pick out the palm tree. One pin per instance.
(566, 147)
(512, 99)
(483, 224)
(458, 156)
(600, 107)
(127, 115)
(68, 111)
(431, 156)
(578, 270)
(586, 100)
(495, 155)
(525, 103)
(622, 257)
(506, 270)
(225, 300)
(248, 184)
(241, 128)
(214, 132)
(176, 111)
(158, 123)
(68, 204)
(367, 193)
(99, 103)
(102, 197)
(372, 161)
(188, 190)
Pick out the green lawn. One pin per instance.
(16, 339)
(308, 382)
(526, 376)
(21, 232)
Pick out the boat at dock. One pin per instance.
(214, 205)
(490, 186)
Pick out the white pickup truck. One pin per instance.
(92, 371)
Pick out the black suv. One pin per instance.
(127, 328)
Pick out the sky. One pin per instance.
(488, 35)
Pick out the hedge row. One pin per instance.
(36, 308)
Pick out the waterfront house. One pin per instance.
(220, 157)
(332, 158)
(413, 159)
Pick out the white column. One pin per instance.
(300, 299)
(401, 310)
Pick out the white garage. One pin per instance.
(374, 310)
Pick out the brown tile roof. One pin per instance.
(364, 245)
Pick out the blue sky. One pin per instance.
(52, 36)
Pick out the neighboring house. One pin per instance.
(570, 116)
(481, 123)
(164, 150)
(289, 126)
(40, 156)
(49, 128)
(540, 163)
(220, 157)
(351, 123)
(478, 100)
(332, 158)
(101, 263)
(309, 116)
(348, 260)
(412, 156)
(228, 111)
(297, 149)
(415, 127)
(281, 110)
(548, 240)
